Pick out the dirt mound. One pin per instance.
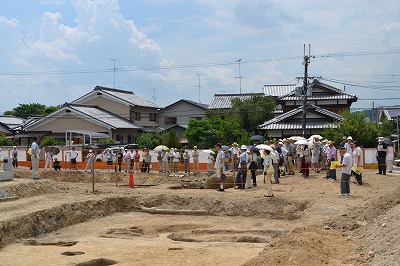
(29, 188)
(306, 246)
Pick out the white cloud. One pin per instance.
(9, 22)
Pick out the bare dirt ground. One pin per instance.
(59, 221)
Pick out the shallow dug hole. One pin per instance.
(72, 253)
(97, 262)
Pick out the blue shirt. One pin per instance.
(35, 149)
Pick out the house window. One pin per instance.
(138, 116)
(197, 118)
(119, 139)
(170, 120)
(153, 117)
(131, 139)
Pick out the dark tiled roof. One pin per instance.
(278, 90)
(11, 121)
(332, 93)
(224, 101)
(280, 122)
(391, 112)
(298, 125)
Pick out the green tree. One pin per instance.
(47, 141)
(4, 141)
(212, 129)
(359, 128)
(26, 110)
(170, 139)
(252, 112)
(145, 140)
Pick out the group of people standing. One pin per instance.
(169, 161)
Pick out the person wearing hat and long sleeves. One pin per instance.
(330, 158)
(234, 154)
(195, 156)
(349, 144)
(91, 157)
(242, 168)
(219, 166)
(381, 156)
(345, 165)
(357, 162)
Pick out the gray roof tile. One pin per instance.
(224, 101)
(128, 97)
(283, 121)
(278, 90)
(106, 117)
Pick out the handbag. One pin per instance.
(270, 168)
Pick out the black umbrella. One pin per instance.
(257, 138)
(53, 150)
(387, 141)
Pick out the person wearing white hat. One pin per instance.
(14, 155)
(90, 164)
(349, 143)
(164, 156)
(235, 154)
(127, 160)
(49, 160)
(242, 168)
(381, 156)
(195, 156)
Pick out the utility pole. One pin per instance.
(199, 86)
(114, 69)
(306, 62)
(240, 77)
(154, 96)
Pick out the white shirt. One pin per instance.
(357, 156)
(347, 162)
(219, 161)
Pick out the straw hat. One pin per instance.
(349, 138)
(381, 139)
(244, 147)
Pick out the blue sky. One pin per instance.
(53, 51)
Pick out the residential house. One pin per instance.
(318, 94)
(120, 114)
(290, 123)
(90, 118)
(388, 113)
(124, 104)
(324, 106)
(176, 116)
(5, 130)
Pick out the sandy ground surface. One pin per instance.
(59, 221)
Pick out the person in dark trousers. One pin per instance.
(56, 165)
(120, 158)
(14, 154)
(345, 165)
(357, 163)
(381, 156)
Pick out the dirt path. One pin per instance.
(306, 223)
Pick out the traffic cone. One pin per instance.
(131, 181)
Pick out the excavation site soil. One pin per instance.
(182, 220)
